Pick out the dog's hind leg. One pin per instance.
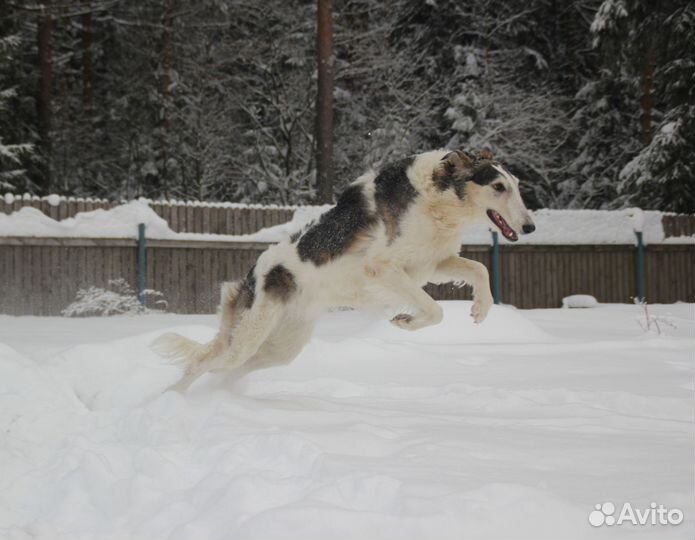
(194, 354)
(251, 331)
(285, 343)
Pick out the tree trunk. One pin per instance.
(324, 104)
(166, 59)
(87, 68)
(43, 100)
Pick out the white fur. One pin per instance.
(377, 274)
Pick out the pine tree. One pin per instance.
(650, 47)
(12, 154)
(662, 175)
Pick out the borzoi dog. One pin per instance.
(389, 234)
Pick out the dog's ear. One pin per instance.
(485, 154)
(453, 170)
(457, 161)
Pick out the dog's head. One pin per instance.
(487, 189)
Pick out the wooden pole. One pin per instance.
(495, 257)
(640, 274)
(43, 98)
(142, 263)
(324, 104)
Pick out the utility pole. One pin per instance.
(324, 104)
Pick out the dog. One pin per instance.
(390, 233)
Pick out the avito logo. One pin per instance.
(604, 514)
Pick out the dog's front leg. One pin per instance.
(395, 287)
(473, 273)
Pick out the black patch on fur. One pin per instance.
(337, 229)
(484, 174)
(247, 291)
(295, 236)
(446, 176)
(393, 194)
(280, 283)
(451, 176)
(459, 167)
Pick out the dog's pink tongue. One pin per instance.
(507, 231)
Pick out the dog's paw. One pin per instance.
(404, 321)
(481, 307)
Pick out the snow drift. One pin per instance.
(511, 429)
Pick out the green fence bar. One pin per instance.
(496, 287)
(640, 277)
(142, 263)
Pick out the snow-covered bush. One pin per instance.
(118, 299)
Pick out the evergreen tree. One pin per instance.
(645, 96)
(13, 154)
(662, 175)
(214, 100)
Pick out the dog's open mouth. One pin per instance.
(503, 226)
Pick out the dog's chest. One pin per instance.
(421, 247)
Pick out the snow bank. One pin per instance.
(55, 200)
(552, 226)
(510, 429)
(302, 216)
(579, 301)
(118, 222)
(583, 227)
(122, 222)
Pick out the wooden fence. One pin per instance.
(40, 276)
(221, 218)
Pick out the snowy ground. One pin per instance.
(514, 429)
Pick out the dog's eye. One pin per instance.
(499, 187)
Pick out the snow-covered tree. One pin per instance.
(662, 175)
(215, 99)
(525, 125)
(645, 97)
(605, 129)
(12, 172)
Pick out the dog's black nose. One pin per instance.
(528, 228)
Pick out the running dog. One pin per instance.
(389, 234)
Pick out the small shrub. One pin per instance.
(653, 323)
(117, 299)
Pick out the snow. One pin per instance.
(552, 226)
(594, 227)
(579, 301)
(118, 222)
(514, 428)
(53, 199)
(302, 216)
(637, 219)
(169, 202)
(122, 222)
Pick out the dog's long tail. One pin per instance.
(190, 352)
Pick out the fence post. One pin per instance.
(495, 268)
(142, 263)
(640, 269)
